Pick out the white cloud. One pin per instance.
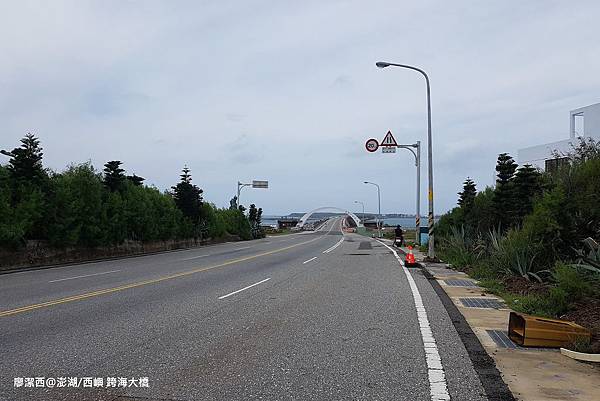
(289, 92)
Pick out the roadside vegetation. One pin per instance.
(533, 239)
(85, 207)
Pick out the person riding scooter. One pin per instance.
(399, 236)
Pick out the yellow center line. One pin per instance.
(91, 294)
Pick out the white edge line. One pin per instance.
(309, 260)
(245, 288)
(435, 370)
(86, 275)
(196, 257)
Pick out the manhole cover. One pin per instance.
(481, 303)
(460, 283)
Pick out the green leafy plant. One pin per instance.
(589, 257)
(552, 304)
(515, 254)
(569, 280)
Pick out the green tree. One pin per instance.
(114, 175)
(136, 180)
(482, 215)
(233, 203)
(252, 216)
(466, 199)
(26, 161)
(77, 214)
(527, 185)
(467, 196)
(188, 198)
(18, 217)
(28, 186)
(504, 192)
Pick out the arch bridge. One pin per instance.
(305, 218)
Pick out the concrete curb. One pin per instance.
(580, 356)
(489, 375)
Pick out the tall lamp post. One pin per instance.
(382, 64)
(363, 208)
(378, 206)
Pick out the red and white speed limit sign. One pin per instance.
(372, 145)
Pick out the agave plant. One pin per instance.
(514, 255)
(589, 256)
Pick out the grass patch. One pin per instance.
(581, 344)
(552, 305)
(493, 286)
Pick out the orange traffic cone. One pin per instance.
(410, 257)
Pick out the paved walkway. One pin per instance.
(531, 374)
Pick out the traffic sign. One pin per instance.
(260, 184)
(372, 145)
(388, 149)
(389, 140)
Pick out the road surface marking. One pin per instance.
(335, 246)
(196, 257)
(435, 370)
(85, 275)
(309, 260)
(245, 288)
(78, 297)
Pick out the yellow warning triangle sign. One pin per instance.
(389, 140)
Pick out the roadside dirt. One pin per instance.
(587, 314)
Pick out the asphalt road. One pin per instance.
(317, 315)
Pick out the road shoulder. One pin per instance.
(530, 374)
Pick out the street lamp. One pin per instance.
(379, 205)
(382, 64)
(253, 184)
(363, 208)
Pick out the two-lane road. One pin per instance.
(318, 315)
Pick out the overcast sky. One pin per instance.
(288, 91)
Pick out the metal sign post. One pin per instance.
(389, 145)
(417, 156)
(254, 184)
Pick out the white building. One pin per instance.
(585, 122)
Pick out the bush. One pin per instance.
(515, 254)
(84, 207)
(573, 283)
(553, 304)
(235, 223)
(457, 248)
